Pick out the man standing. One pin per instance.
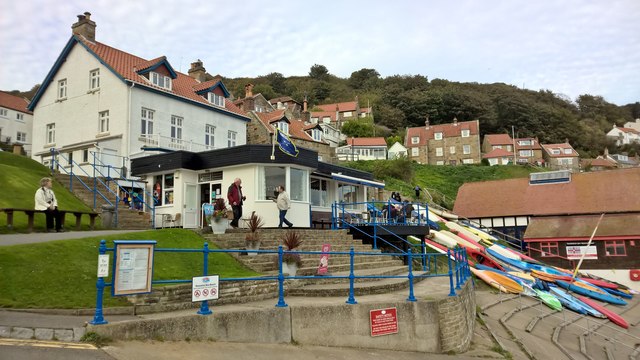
(236, 199)
(283, 204)
(46, 201)
(417, 189)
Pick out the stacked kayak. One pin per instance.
(590, 291)
(498, 281)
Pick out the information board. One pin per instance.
(103, 265)
(383, 321)
(575, 251)
(204, 288)
(133, 267)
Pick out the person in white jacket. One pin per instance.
(46, 201)
(283, 204)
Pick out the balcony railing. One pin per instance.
(170, 143)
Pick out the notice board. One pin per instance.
(133, 267)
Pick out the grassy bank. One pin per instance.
(62, 274)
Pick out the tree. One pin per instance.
(364, 78)
(321, 90)
(277, 82)
(358, 128)
(266, 90)
(318, 72)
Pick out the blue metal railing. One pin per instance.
(389, 212)
(457, 271)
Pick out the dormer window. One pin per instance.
(437, 136)
(465, 133)
(524, 142)
(415, 139)
(567, 151)
(160, 80)
(316, 134)
(216, 99)
(555, 151)
(283, 126)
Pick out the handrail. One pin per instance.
(55, 161)
(461, 276)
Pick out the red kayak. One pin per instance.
(600, 283)
(615, 318)
(481, 258)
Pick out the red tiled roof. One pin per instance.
(498, 139)
(323, 114)
(126, 65)
(343, 106)
(629, 130)
(497, 153)
(586, 193)
(370, 141)
(535, 144)
(14, 102)
(147, 64)
(282, 99)
(297, 128)
(571, 228)
(447, 130)
(562, 147)
(603, 163)
(205, 85)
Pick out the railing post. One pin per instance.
(204, 306)
(52, 150)
(281, 302)
(375, 235)
(351, 300)
(342, 215)
(423, 250)
(411, 296)
(98, 318)
(451, 291)
(95, 182)
(456, 253)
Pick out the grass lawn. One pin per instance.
(20, 178)
(62, 274)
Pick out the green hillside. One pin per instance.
(20, 178)
(441, 181)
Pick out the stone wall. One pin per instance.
(473, 141)
(457, 319)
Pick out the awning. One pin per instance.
(354, 180)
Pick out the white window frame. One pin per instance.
(85, 156)
(21, 136)
(20, 117)
(146, 122)
(568, 152)
(164, 190)
(316, 134)
(215, 99)
(465, 133)
(467, 161)
(160, 80)
(51, 133)
(232, 138)
(439, 151)
(283, 126)
(437, 136)
(466, 149)
(103, 121)
(62, 89)
(94, 79)
(415, 151)
(452, 149)
(524, 142)
(525, 153)
(210, 136)
(555, 152)
(4, 112)
(440, 162)
(415, 139)
(176, 128)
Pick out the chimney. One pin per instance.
(606, 153)
(85, 27)
(197, 71)
(306, 115)
(248, 90)
(304, 104)
(455, 121)
(426, 122)
(338, 122)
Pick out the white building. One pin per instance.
(374, 148)
(100, 100)
(16, 121)
(397, 150)
(624, 135)
(633, 125)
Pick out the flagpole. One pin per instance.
(575, 273)
(273, 145)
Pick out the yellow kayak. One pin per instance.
(498, 281)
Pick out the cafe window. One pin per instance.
(549, 248)
(615, 248)
(319, 192)
(348, 194)
(163, 189)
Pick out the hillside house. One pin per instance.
(253, 102)
(561, 157)
(497, 141)
(499, 157)
(16, 121)
(445, 144)
(337, 113)
(528, 150)
(624, 135)
(397, 150)
(286, 102)
(99, 100)
(633, 125)
(374, 148)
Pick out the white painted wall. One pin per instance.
(10, 126)
(620, 276)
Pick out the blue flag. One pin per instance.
(285, 144)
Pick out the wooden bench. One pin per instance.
(31, 214)
(321, 219)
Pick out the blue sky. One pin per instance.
(570, 47)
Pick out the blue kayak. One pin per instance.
(618, 293)
(571, 302)
(602, 296)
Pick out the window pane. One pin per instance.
(168, 181)
(319, 192)
(348, 194)
(273, 176)
(298, 189)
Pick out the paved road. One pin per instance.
(33, 238)
(11, 349)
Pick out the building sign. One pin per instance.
(204, 288)
(133, 267)
(383, 321)
(575, 251)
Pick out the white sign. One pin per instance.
(103, 265)
(575, 252)
(204, 288)
(133, 267)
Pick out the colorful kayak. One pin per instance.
(461, 241)
(498, 281)
(453, 226)
(504, 252)
(590, 291)
(618, 293)
(548, 299)
(571, 302)
(615, 318)
(481, 233)
(522, 265)
(481, 258)
(444, 214)
(443, 239)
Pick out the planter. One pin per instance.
(219, 226)
(289, 268)
(252, 245)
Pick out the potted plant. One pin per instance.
(291, 262)
(252, 239)
(217, 218)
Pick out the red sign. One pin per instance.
(383, 321)
(323, 268)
